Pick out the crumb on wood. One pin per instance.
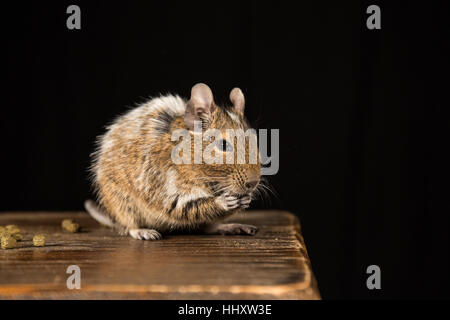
(39, 240)
(66, 222)
(8, 242)
(17, 236)
(70, 225)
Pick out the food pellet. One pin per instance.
(12, 229)
(4, 234)
(66, 222)
(18, 236)
(73, 227)
(8, 242)
(39, 240)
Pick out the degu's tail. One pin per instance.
(98, 214)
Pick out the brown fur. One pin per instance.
(135, 177)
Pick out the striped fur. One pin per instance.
(139, 186)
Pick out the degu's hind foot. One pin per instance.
(231, 229)
(145, 234)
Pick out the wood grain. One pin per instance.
(274, 264)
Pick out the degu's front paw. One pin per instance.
(244, 202)
(228, 201)
(145, 234)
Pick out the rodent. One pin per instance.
(143, 193)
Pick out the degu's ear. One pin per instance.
(200, 106)
(238, 100)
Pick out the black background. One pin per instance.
(363, 135)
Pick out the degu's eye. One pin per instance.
(224, 145)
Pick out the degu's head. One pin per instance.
(223, 142)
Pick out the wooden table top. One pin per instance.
(274, 264)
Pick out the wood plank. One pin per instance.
(274, 264)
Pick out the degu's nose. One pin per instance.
(251, 185)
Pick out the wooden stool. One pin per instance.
(274, 264)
